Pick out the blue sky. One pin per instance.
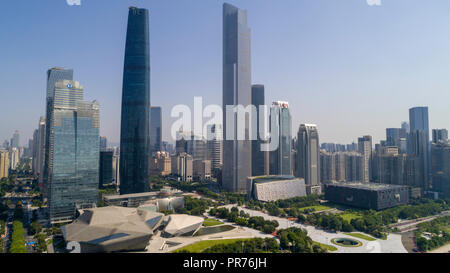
(351, 68)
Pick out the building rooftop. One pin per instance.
(366, 186)
(271, 178)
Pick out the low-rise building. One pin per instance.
(272, 187)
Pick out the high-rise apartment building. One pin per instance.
(365, 148)
(4, 163)
(135, 120)
(237, 164)
(440, 158)
(72, 165)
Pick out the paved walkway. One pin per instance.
(393, 244)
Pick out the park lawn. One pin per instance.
(360, 236)
(198, 247)
(316, 208)
(328, 247)
(211, 222)
(348, 216)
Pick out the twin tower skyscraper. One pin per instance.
(237, 86)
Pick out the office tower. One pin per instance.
(405, 126)
(394, 135)
(41, 151)
(419, 146)
(155, 130)
(440, 158)
(106, 168)
(15, 139)
(260, 159)
(439, 135)
(34, 153)
(392, 167)
(134, 133)
(280, 159)
(6, 144)
(182, 166)
(365, 148)
(4, 163)
(72, 165)
(53, 75)
(160, 164)
(308, 154)
(14, 158)
(237, 164)
(202, 170)
(215, 145)
(103, 143)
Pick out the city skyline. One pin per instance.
(291, 86)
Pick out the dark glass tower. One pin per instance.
(155, 130)
(260, 159)
(419, 145)
(134, 133)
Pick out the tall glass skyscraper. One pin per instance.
(308, 157)
(237, 164)
(73, 163)
(155, 130)
(260, 159)
(135, 122)
(419, 145)
(54, 75)
(280, 159)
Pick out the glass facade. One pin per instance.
(236, 91)
(308, 160)
(73, 164)
(135, 121)
(419, 145)
(155, 130)
(280, 159)
(259, 158)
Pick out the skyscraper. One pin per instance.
(308, 154)
(419, 144)
(280, 159)
(260, 159)
(41, 151)
(365, 148)
(440, 152)
(53, 75)
(215, 145)
(106, 168)
(15, 140)
(4, 163)
(237, 165)
(155, 130)
(439, 135)
(103, 143)
(135, 121)
(71, 169)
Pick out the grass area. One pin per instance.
(211, 222)
(316, 208)
(198, 247)
(360, 236)
(348, 216)
(328, 247)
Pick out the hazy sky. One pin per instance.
(351, 68)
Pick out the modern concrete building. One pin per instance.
(308, 154)
(135, 200)
(280, 158)
(237, 164)
(112, 229)
(367, 195)
(135, 120)
(182, 225)
(273, 188)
